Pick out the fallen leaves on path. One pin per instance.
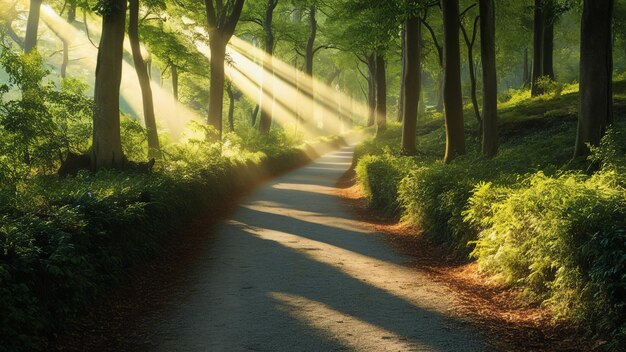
(510, 323)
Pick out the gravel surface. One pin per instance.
(293, 270)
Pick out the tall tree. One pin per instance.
(267, 100)
(411, 78)
(154, 150)
(595, 112)
(490, 79)
(32, 26)
(107, 143)
(470, 41)
(538, 38)
(222, 19)
(452, 95)
(381, 94)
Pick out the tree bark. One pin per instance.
(548, 51)
(595, 111)
(538, 37)
(32, 26)
(308, 66)
(216, 92)
(107, 144)
(472, 72)
(402, 74)
(381, 95)
(267, 102)
(490, 78)
(411, 81)
(452, 95)
(371, 66)
(221, 26)
(154, 150)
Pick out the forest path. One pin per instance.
(293, 270)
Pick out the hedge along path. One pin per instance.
(291, 270)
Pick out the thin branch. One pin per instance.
(87, 29)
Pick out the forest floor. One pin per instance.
(498, 312)
(290, 269)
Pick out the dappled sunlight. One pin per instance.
(349, 330)
(395, 279)
(308, 216)
(300, 187)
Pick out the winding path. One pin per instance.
(292, 270)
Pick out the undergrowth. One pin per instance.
(531, 217)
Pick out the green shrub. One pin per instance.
(380, 176)
(550, 236)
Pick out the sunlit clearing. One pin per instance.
(171, 115)
(395, 279)
(342, 327)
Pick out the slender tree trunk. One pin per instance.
(231, 107)
(402, 74)
(548, 51)
(308, 66)
(411, 80)
(472, 71)
(490, 79)
(538, 36)
(107, 143)
(32, 26)
(154, 150)
(174, 81)
(71, 11)
(216, 94)
(267, 98)
(371, 66)
(381, 95)
(525, 74)
(71, 17)
(452, 96)
(595, 112)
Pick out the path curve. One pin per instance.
(292, 270)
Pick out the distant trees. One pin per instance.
(596, 69)
(267, 100)
(107, 144)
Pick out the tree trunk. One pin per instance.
(255, 112)
(216, 94)
(107, 144)
(174, 81)
(538, 36)
(452, 95)
(525, 74)
(490, 78)
(231, 107)
(308, 66)
(548, 50)
(267, 98)
(71, 11)
(371, 99)
(381, 95)
(472, 70)
(411, 81)
(154, 150)
(595, 112)
(32, 26)
(402, 74)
